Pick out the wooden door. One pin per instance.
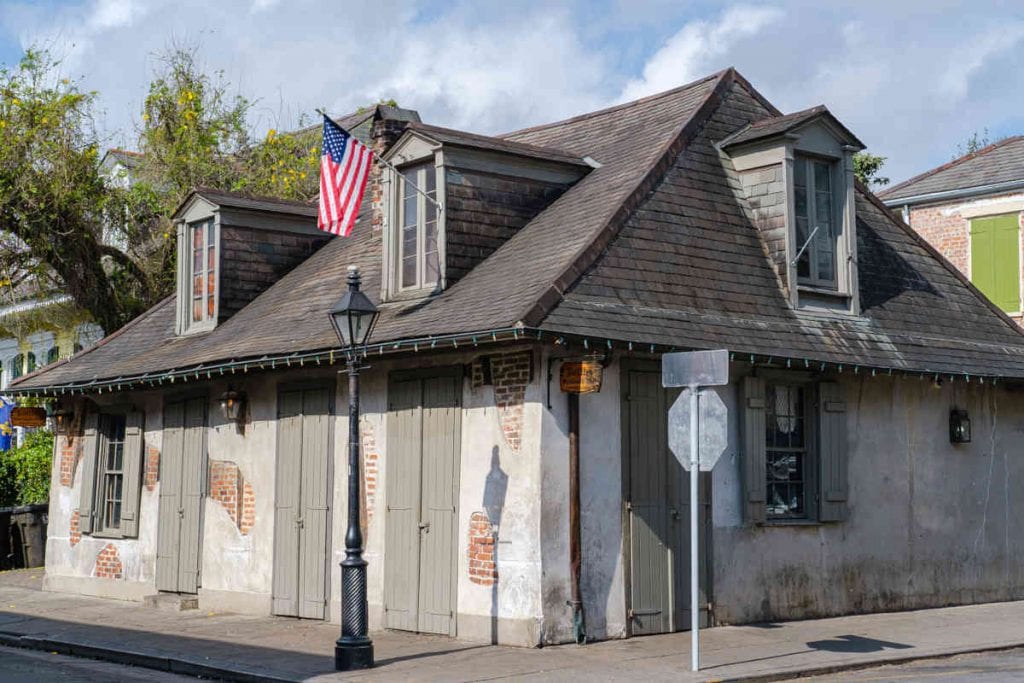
(656, 491)
(301, 503)
(182, 486)
(424, 434)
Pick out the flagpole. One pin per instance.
(387, 163)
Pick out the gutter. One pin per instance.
(959, 193)
(207, 371)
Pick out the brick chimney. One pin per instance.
(388, 125)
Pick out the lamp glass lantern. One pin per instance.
(354, 315)
(231, 405)
(959, 426)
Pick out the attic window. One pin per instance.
(815, 215)
(418, 264)
(198, 276)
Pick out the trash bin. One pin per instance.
(6, 552)
(28, 537)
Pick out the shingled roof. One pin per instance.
(654, 246)
(998, 167)
(774, 125)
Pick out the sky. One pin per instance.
(911, 79)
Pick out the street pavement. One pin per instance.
(274, 649)
(988, 667)
(28, 666)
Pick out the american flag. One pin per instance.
(344, 168)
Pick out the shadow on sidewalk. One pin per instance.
(856, 644)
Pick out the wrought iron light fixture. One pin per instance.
(232, 405)
(354, 316)
(959, 426)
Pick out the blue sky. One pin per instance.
(911, 79)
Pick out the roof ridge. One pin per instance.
(950, 164)
(524, 145)
(590, 251)
(617, 107)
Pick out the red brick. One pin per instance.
(108, 563)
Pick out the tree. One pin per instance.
(53, 198)
(972, 144)
(866, 167)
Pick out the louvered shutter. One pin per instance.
(133, 454)
(87, 493)
(833, 447)
(754, 467)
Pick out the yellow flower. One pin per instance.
(16, 102)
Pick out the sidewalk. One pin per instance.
(277, 649)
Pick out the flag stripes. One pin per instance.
(344, 169)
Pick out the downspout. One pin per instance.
(579, 630)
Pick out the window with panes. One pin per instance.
(111, 473)
(816, 224)
(418, 255)
(789, 454)
(203, 272)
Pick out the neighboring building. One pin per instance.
(971, 211)
(697, 218)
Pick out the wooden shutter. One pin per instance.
(287, 510)
(833, 446)
(753, 431)
(133, 454)
(995, 262)
(87, 494)
(313, 506)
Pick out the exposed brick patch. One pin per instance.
(950, 234)
(510, 373)
(229, 488)
(75, 535)
(482, 568)
(108, 563)
(371, 459)
(69, 449)
(152, 467)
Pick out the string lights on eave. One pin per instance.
(588, 344)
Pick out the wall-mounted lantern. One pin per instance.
(232, 404)
(62, 416)
(959, 426)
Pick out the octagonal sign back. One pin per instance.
(712, 428)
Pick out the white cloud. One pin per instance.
(968, 58)
(698, 48)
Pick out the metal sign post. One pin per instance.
(694, 370)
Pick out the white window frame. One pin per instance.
(186, 324)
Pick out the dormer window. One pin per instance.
(814, 213)
(203, 275)
(419, 263)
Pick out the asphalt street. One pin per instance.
(989, 667)
(29, 666)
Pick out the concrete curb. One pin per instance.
(145, 660)
(861, 665)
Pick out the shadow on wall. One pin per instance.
(495, 489)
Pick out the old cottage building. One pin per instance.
(874, 414)
(971, 211)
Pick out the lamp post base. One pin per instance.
(350, 657)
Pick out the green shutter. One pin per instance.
(87, 494)
(832, 505)
(755, 469)
(995, 260)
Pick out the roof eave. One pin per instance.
(958, 193)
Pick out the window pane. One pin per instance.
(800, 199)
(826, 264)
(786, 450)
(800, 173)
(822, 177)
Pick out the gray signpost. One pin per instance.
(697, 450)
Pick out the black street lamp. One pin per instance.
(353, 318)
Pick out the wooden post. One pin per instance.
(575, 534)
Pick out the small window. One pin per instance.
(418, 256)
(111, 476)
(30, 362)
(787, 453)
(816, 233)
(200, 285)
(18, 366)
(53, 355)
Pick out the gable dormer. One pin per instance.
(231, 248)
(796, 172)
(455, 198)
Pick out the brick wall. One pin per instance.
(108, 563)
(483, 569)
(765, 191)
(69, 451)
(385, 133)
(950, 234)
(510, 375)
(371, 459)
(75, 534)
(229, 488)
(152, 474)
